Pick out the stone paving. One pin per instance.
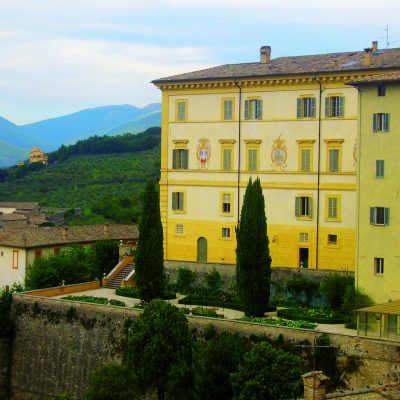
(229, 314)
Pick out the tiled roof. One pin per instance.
(19, 205)
(296, 65)
(388, 77)
(13, 217)
(42, 237)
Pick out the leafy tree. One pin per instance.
(72, 265)
(149, 257)
(159, 348)
(112, 382)
(214, 362)
(186, 278)
(354, 298)
(107, 256)
(269, 374)
(253, 262)
(334, 287)
(62, 396)
(214, 281)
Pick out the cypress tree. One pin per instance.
(149, 256)
(253, 262)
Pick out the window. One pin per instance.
(303, 207)
(227, 158)
(179, 229)
(381, 89)
(2, 254)
(226, 203)
(332, 239)
(253, 109)
(380, 168)
(303, 237)
(180, 158)
(226, 233)
(252, 158)
(333, 208)
(334, 106)
(305, 154)
(15, 259)
(333, 160)
(306, 107)
(227, 109)
(380, 122)
(379, 265)
(181, 110)
(178, 201)
(379, 216)
(38, 253)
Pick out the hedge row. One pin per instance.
(128, 291)
(295, 315)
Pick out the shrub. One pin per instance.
(186, 278)
(354, 299)
(334, 288)
(6, 322)
(302, 289)
(95, 300)
(129, 291)
(280, 322)
(319, 315)
(214, 281)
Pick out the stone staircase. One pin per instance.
(116, 282)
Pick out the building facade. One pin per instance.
(290, 121)
(378, 253)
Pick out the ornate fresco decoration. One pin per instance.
(279, 154)
(355, 153)
(203, 153)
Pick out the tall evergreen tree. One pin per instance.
(253, 262)
(149, 257)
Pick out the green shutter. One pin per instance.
(305, 160)
(313, 107)
(327, 107)
(386, 215)
(297, 207)
(174, 159)
(174, 200)
(310, 210)
(386, 122)
(299, 113)
(333, 160)
(185, 157)
(246, 109)
(341, 106)
(227, 159)
(372, 215)
(375, 122)
(259, 105)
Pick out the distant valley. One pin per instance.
(50, 134)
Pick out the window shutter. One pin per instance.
(386, 122)
(327, 107)
(185, 154)
(313, 106)
(174, 200)
(227, 159)
(386, 216)
(375, 122)
(246, 109)
(341, 106)
(174, 159)
(299, 113)
(372, 215)
(297, 207)
(259, 104)
(310, 206)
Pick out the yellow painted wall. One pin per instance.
(203, 187)
(379, 241)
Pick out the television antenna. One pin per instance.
(387, 37)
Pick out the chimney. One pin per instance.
(265, 54)
(374, 46)
(315, 385)
(367, 56)
(65, 233)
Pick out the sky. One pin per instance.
(62, 56)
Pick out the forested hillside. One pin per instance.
(102, 175)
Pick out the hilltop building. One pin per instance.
(37, 156)
(292, 122)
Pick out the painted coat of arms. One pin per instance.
(203, 153)
(279, 154)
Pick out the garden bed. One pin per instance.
(317, 315)
(203, 312)
(128, 291)
(280, 322)
(95, 300)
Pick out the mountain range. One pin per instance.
(17, 140)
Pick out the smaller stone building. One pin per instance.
(20, 247)
(37, 156)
